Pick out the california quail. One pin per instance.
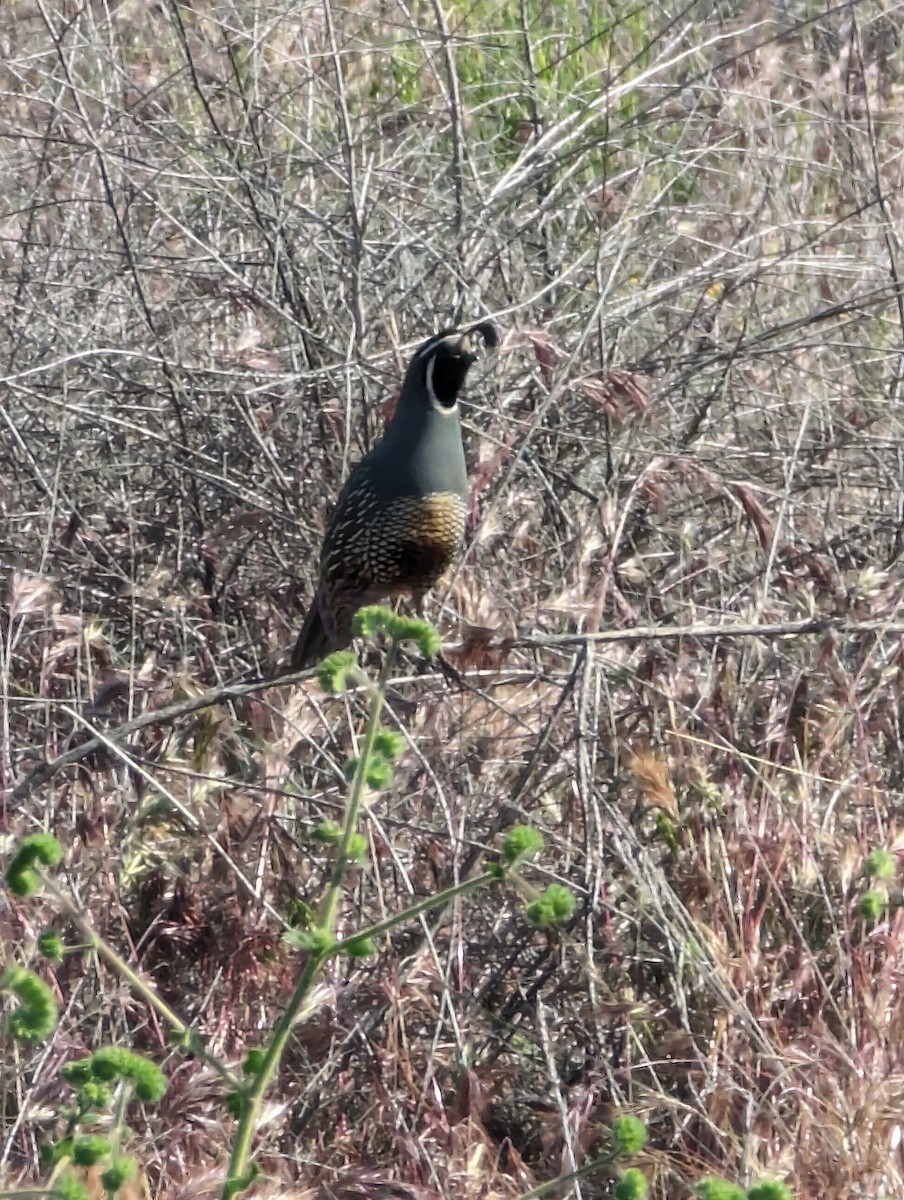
(400, 518)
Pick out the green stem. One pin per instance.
(426, 905)
(27, 1193)
(123, 1095)
(237, 1179)
(553, 1185)
(353, 806)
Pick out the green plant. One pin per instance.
(718, 1189)
(110, 1075)
(880, 868)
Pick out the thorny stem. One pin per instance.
(416, 910)
(353, 807)
(238, 1177)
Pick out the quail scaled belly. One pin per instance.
(400, 518)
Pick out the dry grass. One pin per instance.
(221, 230)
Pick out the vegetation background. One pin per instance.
(223, 227)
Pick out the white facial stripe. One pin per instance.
(435, 404)
(429, 346)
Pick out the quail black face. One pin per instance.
(447, 359)
(446, 371)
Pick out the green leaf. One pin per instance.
(372, 620)
(631, 1186)
(377, 773)
(872, 905)
(629, 1135)
(50, 944)
(556, 904)
(37, 848)
(88, 1150)
(68, 1187)
(522, 842)
(254, 1060)
(411, 629)
(314, 941)
(337, 671)
(769, 1189)
(359, 947)
(77, 1073)
(560, 900)
(357, 848)
(148, 1080)
(328, 833)
(881, 864)
(122, 1168)
(36, 1016)
(389, 745)
(718, 1189)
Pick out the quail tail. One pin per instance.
(313, 641)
